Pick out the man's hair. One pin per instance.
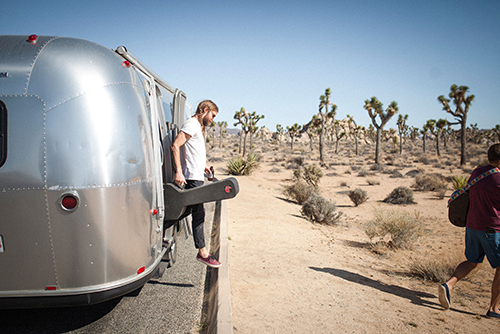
(204, 104)
(494, 153)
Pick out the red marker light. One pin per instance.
(32, 39)
(228, 189)
(69, 201)
(141, 270)
(50, 288)
(126, 63)
(154, 212)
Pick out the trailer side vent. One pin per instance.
(3, 133)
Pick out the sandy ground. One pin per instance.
(289, 275)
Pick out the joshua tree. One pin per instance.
(253, 119)
(402, 130)
(436, 128)
(424, 132)
(339, 134)
(413, 133)
(243, 119)
(312, 130)
(462, 104)
(324, 102)
(293, 132)
(354, 130)
(374, 107)
(211, 131)
(279, 132)
(496, 129)
(222, 131)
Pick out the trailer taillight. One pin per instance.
(69, 201)
(141, 270)
(32, 39)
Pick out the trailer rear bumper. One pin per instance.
(82, 297)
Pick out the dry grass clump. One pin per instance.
(435, 268)
(429, 182)
(400, 195)
(402, 227)
(320, 210)
(358, 196)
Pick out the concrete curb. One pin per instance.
(219, 295)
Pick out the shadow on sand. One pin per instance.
(415, 297)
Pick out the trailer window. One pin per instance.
(3, 133)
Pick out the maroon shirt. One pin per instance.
(484, 207)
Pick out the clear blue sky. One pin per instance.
(277, 57)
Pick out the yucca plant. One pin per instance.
(459, 182)
(240, 166)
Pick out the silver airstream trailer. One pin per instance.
(85, 204)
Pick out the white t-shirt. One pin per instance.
(195, 155)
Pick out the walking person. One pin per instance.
(482, 235)
(190, 159)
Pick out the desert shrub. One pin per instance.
(275, 170)
(378, 167)
(344, 184)
(363, 172)
(429, 182)
(482, 161)
(298, 191)
(310, 174)
(402, 227)
(295, 162)
(396, 174)
(440, 193)
(320, 210)
(400, 195)
(358, 196)
(459, 182)
(413, 173)
(372, 182)
(240, 166)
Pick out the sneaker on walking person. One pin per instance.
(209, 261)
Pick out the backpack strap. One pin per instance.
(459, 192)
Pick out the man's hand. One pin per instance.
(179, 179)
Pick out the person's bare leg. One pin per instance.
(495, 292)
(462, 270)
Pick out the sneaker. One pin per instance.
(444, 296)
(209, 261)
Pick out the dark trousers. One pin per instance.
(198, 216)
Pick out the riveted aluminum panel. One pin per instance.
(17, 57)
(99, 139)
(27, 262)
(24, 167)
(67, 68)
(106, 239)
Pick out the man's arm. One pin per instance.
(180, 140)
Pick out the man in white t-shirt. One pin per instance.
(190, 160)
